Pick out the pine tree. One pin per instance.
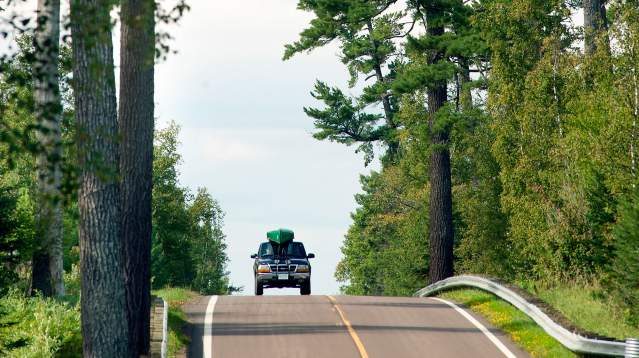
(367, 37)
(442, 54)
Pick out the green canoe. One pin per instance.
(280, 236)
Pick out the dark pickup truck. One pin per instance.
(282, 265)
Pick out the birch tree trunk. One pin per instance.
(136, 123)
(48, 110)
(103, 315)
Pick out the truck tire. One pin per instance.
(305, 288)
(259, 288)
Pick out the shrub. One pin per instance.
(39, 327)
(624, 278)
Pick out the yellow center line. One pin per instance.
(351, 330)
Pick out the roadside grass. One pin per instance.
(521, 329)
(588, 308)
(175, 297)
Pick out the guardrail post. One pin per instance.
(159, 333)
(632, 348)
(165, 330)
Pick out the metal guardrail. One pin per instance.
(571, 340)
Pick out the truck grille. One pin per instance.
(283, 268)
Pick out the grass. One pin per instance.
(521, 329)
(38, 327)
(589, 309)
(175, 297)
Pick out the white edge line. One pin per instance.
(207, 339)
(481, 327)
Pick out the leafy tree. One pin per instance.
(188, 241)
(172, 263)
(20, 146)
(209, 247)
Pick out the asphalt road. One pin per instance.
(340, 326)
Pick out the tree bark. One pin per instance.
(48, 110)
(595, 23)
(441, 234)
(136, 123)
(103, 308)
(40, 273)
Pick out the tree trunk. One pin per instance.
(594, 23)
(465, 93)
(40, 273)
(441, 208)
(136, 124)
(103, 315)
(48, 113)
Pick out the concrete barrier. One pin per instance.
(159, 328)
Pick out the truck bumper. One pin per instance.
(274, 280)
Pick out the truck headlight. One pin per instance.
(303, 268)
(263, 269)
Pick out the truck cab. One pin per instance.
(282, 265)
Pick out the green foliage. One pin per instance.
(39, 327)
(543, 140)
(17, 231)
(188, 248)
(384, 250)
(17, 165)
(345, 122)
(210, 257)
(588, 307)
(624, 276)
(366, 36)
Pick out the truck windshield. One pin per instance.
(296, 250)
(266, 250)
(292, 250)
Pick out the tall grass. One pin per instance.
(35, 327)
(589, 308)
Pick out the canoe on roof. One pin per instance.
(280, 236)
